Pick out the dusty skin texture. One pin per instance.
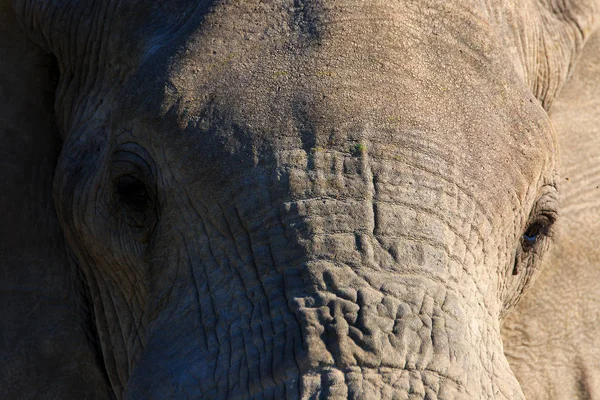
(268, 200)
(551, 338)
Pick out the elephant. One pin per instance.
(298, 199)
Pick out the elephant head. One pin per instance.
(334, 199)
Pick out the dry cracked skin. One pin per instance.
(292, 199)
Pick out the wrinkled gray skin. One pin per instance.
(275, 199)
(551, 339)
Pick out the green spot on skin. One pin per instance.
(324, 73)
(358, 149)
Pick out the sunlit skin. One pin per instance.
(332, 199)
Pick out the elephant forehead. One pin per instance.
(364, 53)
(241, 88)
(495, 137)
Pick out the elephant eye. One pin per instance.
(132, 192)
(531, 236)
(536, 231)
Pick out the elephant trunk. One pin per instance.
(307, 309)
(412, 337)
(381, 334)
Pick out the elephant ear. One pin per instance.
(545, 38)
(46, 342)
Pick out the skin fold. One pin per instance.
(551, 338)
(268, 200)
(46, 342)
